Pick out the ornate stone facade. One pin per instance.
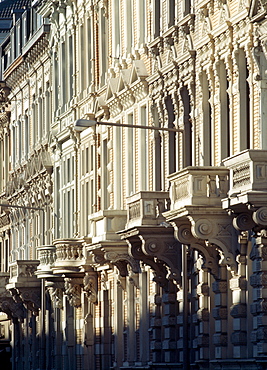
(122, 246)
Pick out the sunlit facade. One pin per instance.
(125, 247)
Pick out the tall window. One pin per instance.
(157, 155)
(244, 103)
(171, 12)
(105, 175)
(130, 150)
(40, 115)
(89, 50)
(225, 132)
(188, 137)
(19, 139)
(47, 109)
(56, 83)
(103, 47)
(67, 191)
(172, 136)
(206, 147)
(117, 167)
(63, 75)
(87, 185)
(14, 144)
(143, 150)
(186, 7)
(129, 36)
(116, 31)
(156, 17)
(141, 21)
(82, 59)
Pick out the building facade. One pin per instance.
(133, 139)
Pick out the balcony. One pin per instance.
(145, 208)
(198, 187)
(22, 274)
(248, 178)
(105, 224)
(47, 257)
(70, 256)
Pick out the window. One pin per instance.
(103, 47)
(65, 204)
(63, 75)
(117, 167)
(206, 149)
(186, 7)
(141, 21)
(143, 150)
(129, 36)
(225, 132)
(71, 67)
(158, 175)
(14, 144)
(244, 102)
(171, 12)
(116, 31)
(172, 136)
(130, 158)
(188, 137)
(82, 59)
(47, 109)
(156, 17)
(105, 201)
(39, 122)
(87, 200)
(56, 83)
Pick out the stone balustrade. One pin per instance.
(23, 271)
(146, 207)
(104, 224)
(47, 258)
(248, 177)
(198, 186)
(70, 255)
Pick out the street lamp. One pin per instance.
(82, 124)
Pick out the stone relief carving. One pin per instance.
(90, 285)
(73, 288)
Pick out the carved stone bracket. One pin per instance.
(28, 296)
(166, 249)
(207, 233)
(73, 288)
(90, 285)
(160, 271)
(10, 307)
(157, 248)
(31, 298)
(115, 254)
(56, 293)
(251, 219)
